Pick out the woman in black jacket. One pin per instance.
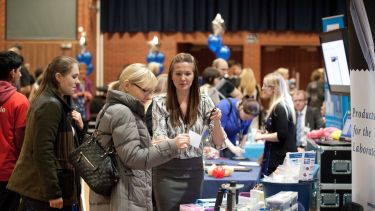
(280, 135)
(43, 176)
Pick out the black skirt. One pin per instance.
(176, 182)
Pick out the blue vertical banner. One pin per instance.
(337, 106)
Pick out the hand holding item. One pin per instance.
(77, 119)
(182, 141)
(158, 140)
(237, 151)
(56, 203)
(258, 135)
(234, 149)
(215, 116)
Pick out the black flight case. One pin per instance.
(333, 187)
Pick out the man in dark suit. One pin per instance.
(307, 118)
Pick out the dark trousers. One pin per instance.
(9, 200)
(266, 169)
(36, 205)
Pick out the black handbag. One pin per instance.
(96, 164)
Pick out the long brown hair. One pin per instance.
(173, 105)
(60, 64)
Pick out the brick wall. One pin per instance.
(126, 48)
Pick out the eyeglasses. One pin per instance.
(146, 92)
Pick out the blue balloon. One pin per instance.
(87, 58)
(89, 69)
(84, 58)
(151, 57)
(80, 58)
(223, 52)
(159, 57)
(214, 42)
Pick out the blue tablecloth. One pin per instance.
(248, 179)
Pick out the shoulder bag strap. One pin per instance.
(110, 146)
(106, 106)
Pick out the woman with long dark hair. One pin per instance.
(181, 110)
(43, 176)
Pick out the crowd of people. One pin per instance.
(149, 116)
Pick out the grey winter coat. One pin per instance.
(124, 119)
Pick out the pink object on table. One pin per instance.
(190, 207)
(321, 133)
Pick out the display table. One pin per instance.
(248, 179)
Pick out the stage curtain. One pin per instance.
(196, 15)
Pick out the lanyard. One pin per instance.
(239, 124)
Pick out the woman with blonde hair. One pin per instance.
(249, 87)
(124, 119)
(280, 135)
(284, 72)
(248, 84)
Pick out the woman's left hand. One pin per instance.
(258, 135)
(238, 151)
(216, 116)
(77, 119)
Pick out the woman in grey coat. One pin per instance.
(124, 119)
